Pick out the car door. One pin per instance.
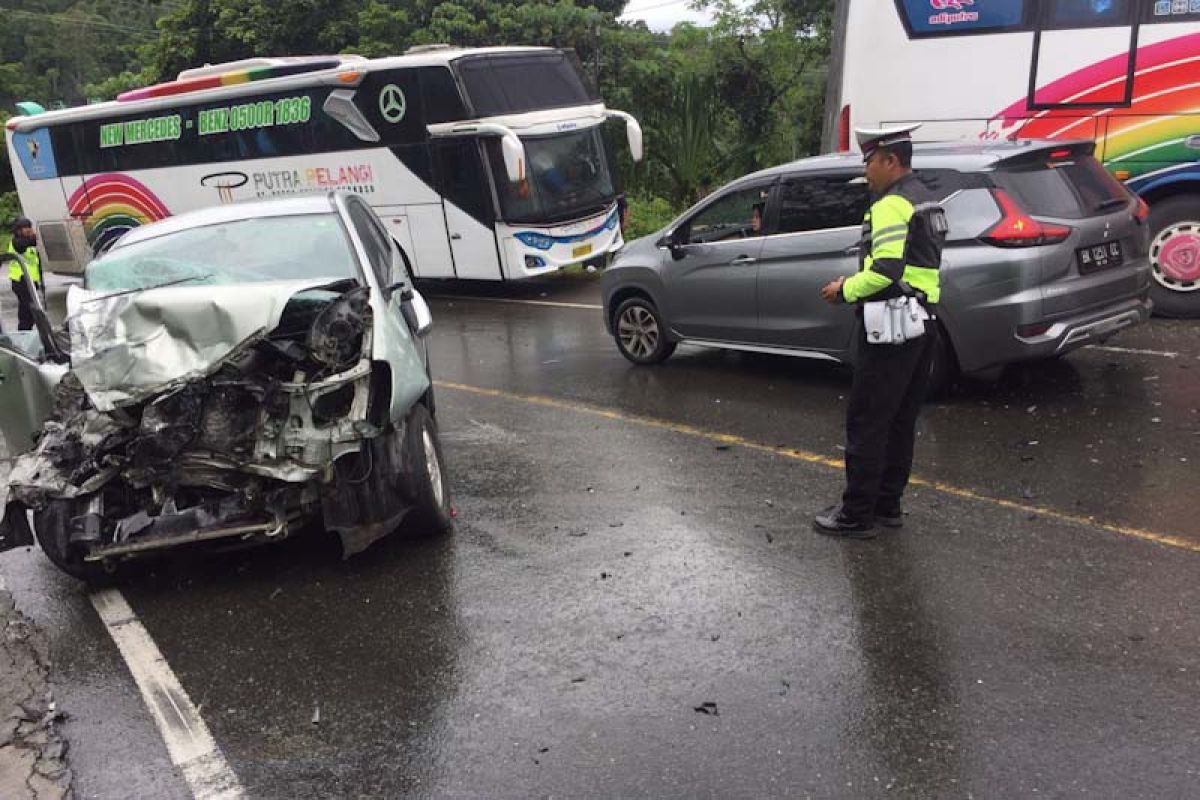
(712, 268)
(817, 223)
(394, 342)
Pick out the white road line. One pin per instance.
(551, 303)
(189, 743)
(1133, 351)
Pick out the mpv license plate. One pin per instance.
(1099, 256)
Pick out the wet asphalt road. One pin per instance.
(634, 543)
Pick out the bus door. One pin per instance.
(1084, 54)
(469, 207)
(47, 159)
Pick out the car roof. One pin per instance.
(232, 212)
(962, 156)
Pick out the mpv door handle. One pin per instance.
(742, 261)
(852, 251)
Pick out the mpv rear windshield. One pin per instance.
(1071, 189)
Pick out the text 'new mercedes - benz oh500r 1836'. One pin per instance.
(226, 375)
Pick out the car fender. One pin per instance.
(634, 280)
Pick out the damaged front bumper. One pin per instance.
(240, 441)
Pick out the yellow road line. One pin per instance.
(1165, 539)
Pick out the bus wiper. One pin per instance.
(163, 285)
(1112, 202)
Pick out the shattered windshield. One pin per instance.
(567, 177)
(294, 247)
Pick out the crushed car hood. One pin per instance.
(126, 347)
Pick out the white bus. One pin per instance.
(1124, 73)
(486, 163)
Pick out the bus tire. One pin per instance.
(1170, 220)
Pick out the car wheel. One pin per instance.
(1175, 257)
(943, 368)
(430, 485)
(639, 332)
(52, 528)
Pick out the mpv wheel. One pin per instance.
(943, 368)
(1175, 257)
(641, 336)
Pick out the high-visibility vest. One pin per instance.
(32, 261)
(903, 234)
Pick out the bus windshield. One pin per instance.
(517, 83)
(242, 251)
(567, 176)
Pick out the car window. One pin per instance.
(281, 248)
(378, 246)
(813, 204)
(730, 217)
(1071, 189)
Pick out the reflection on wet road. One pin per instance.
(634, 606)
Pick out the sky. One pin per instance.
(661, 15)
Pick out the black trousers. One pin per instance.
(24, 306)
(889, 387)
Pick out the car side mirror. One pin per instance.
(413, 307)
(675, 241)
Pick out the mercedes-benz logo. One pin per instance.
(392, 104)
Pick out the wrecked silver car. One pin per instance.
(230, 374)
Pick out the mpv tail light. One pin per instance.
(1018, 229)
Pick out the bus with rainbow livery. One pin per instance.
(484, 163)
(1123, 73)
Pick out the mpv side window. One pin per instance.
(813, 204)
(730, 217)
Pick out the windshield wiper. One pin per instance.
(1112, 202)
(163, 285)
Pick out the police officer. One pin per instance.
(24, 244)
(901, 251)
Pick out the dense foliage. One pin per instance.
(715, 102)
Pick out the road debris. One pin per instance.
(709, 708)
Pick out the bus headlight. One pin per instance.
(537, 241)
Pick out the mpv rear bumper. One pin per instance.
(1092, 327)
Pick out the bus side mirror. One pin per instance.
(633, 131)
(514, 157)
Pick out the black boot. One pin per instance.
(889, 516)
(834, 522)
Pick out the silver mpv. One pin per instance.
(1046, 253)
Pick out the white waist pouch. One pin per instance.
(894, 321)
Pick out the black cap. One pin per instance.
(20, 222)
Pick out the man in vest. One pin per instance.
(901, 251)
(24, 244)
